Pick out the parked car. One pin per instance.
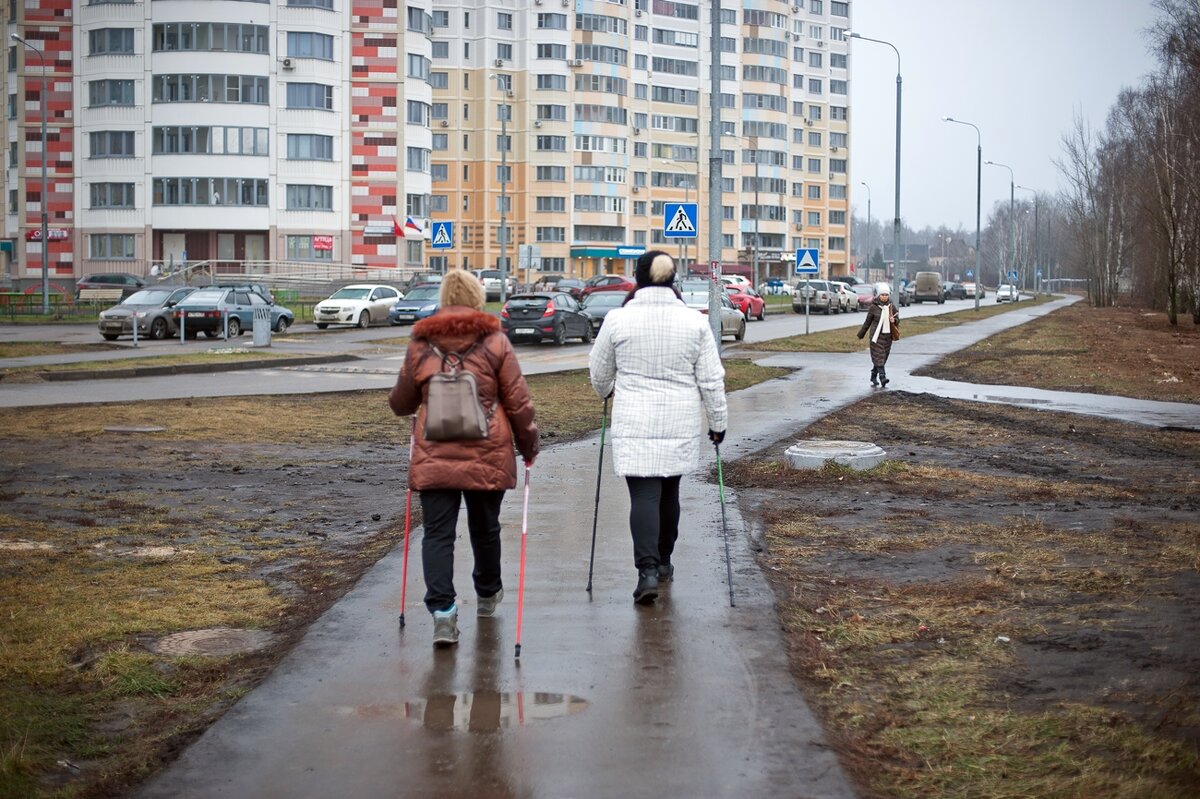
(746, 300)
(849, 280)
(258, 288)
(847, 299)
(927, 287)
(776, 287)
(818, 295)
(419, 279)
(112, 281)
(736, 280)
(970, 289)
(732, 321)
(1007, 293)
(205, 308)
(490, 278)
(608, 283)
(597, 306)
(151, 309)
(865, 294)
(906, 294)
(359, 305)
(538, 315)
(954, 291)
(419, 303)
(572, 286)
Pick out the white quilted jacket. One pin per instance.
(670, 385)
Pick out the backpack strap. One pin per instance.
(456, 360)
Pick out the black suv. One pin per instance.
(124, 281)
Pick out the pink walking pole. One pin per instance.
(521, 581)
(407, 530)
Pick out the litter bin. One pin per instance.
(262, 326)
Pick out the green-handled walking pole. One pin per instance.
(596, 513)
(724, 522)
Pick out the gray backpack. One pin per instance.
(453, 411)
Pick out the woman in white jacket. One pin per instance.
(660, 358)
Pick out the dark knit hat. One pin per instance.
(655, 268)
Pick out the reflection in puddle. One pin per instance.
(489, 711)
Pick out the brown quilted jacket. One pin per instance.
(487, 464)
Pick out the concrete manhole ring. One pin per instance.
(815, 453)
(214, 642)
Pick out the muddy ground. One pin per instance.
(1010, 607)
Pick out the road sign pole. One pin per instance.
(807, 300)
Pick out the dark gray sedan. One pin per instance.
(151, 309)
(597, 306)
(545, 314)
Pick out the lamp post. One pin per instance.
(45, 153)
(869, 229)
(896, 221)
(978, 197)
(1012, 217)
(757, 211)
(1037, 250)
(502, 85)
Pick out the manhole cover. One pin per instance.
(134, 429)
(814, 453)
(214, 642)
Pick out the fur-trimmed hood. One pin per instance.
(454, 326)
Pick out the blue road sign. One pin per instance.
(1012, 275)
(442, 237)
(970, 273)
(1039, 273)
(808, 261)
(681, 220)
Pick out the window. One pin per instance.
(441, 19)
(551, 234)
(504, 144)
(309, 147)
(504, 21)
(325, 4)
(837, 217)
(600, 83)
(600, 113)
(418, 66)
(814, 191)
(304, 197)
(211, 191)
(305, 44)
(674, 66)
(669, 8)
(300, 248)
(439, 173)
(441, 141)
(109, 144)
(551, 173)
(768, 130)
(837, 165)
(601, 53)
(600, 174)
(558, 51)
(211, 37)
(814, 138)
(815, 59)
(838, 34)
(441, 49)
(204, 140)
(676, 38)
(764, 74)
(503, 173)
(100, 93)
(551, 112)
(439, 111)
(111, 195)
(816, 6)
(552, 21)
(837, 60)
(601, 24)
(838, 112)
(551, 204)
(504, 50)
(815, 86)
(599, 233)
(418, 159)
(816, 32)
(113, 246)
(551, 143)
(814, 218)
(814, 165)
(439, 80)
(552, 82)
(838, 9)
(109, 41)
(310, 95)
(764, 46)
(837, 191)
(837, 243)
(419, 21)
(209, 89)
(837, 86)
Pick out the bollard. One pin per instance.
(135, 340)
(182, 325)
(225, 322)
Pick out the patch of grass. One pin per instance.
(846, 340)
(219, 356)
(26, 349)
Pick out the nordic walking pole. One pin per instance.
(521, 581)
(596, 514)
(724, 522)
(407, 530)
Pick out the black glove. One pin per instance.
(860, 335)
(716, 436)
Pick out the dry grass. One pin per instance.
(26, 349)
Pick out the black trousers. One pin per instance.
(653, 518)
(440, 509)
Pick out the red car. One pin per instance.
(607, 283)
(746, 300)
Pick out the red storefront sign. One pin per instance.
(322, 242)
(55, 233)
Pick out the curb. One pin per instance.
(191, 368)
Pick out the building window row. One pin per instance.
(190, 88)
(111, 144)
(306, 44)
(211, 37)
(112, 246)
(110, 41)
(204, 140)
(211, 191)
(306, 197)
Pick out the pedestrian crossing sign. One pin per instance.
(681, 220)
(443, 236)
(808, 261)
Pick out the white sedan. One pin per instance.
(359, 304)
(1007, 293)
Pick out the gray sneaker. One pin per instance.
(487, 604)
(445, 626)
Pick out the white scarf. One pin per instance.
(885, 322)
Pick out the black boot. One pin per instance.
(647, 586)
(666, 572)
(883, 378)
(874, 372)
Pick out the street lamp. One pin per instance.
(1012, 217)
(45, 198)
(1037, 250)
(896, 221)
(502, 84)
(757, 210)
(978, 197)
(869, 229)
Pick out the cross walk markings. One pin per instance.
(682, 223)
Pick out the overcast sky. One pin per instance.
(1019, 69)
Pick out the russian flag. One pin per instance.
(409, 225)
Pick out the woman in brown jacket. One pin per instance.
(883, 322)
(477, 471)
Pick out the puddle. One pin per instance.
(480, 711)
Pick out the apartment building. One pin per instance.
(574, 121)
(303, 130)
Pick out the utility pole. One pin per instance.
(715, 194)
(501, 83)
(757, 216)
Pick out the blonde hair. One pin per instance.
(460, 287)
(662, 269)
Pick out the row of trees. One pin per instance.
(1132, 207)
